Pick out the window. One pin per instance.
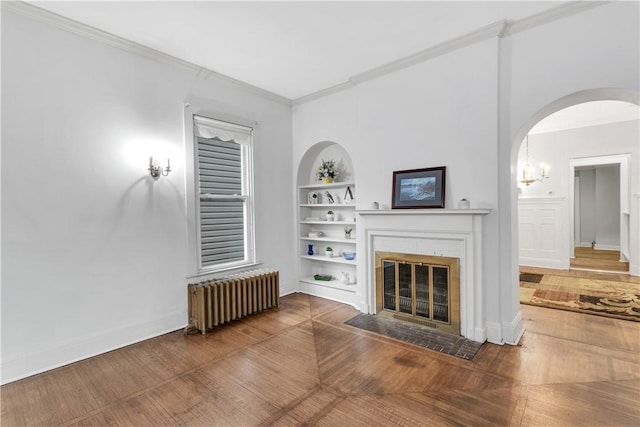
(224, 190)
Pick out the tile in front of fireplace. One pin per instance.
(417, 334)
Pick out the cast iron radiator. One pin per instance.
(221, 300)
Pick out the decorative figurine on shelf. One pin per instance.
(310, 251)
(348, 196)
(327, 171)
(347, 232)
(329, 197)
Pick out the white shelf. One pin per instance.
(336, 284)
(312, 217)
(327, 205)
(329, 239)
(322, 185)
(329, 222)
(335, 259)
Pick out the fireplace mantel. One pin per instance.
(425, 212)
(442, 232)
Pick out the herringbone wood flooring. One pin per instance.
(301, 365)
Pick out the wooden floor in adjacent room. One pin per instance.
(301, 365)
(598, 260)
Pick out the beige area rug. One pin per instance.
(592, 296)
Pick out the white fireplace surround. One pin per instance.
(453, 233)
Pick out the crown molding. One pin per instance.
(551, 15)
(323, 92)
(498, 29)
(468, 39)
(494, 30)
(75, 27)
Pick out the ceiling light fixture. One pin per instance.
(527, 172)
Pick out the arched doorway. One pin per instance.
(633, 209)
(564, 154)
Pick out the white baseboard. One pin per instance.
(333, 294)
(506, 333)
(513, 331)
(51, 358)
(607, 247)
(599, 247)
(284, 294)
(494, 333)
(479, 335)
(557, 264)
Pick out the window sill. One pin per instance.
(214, 273)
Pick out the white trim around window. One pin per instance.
(222, 197)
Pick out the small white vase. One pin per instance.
(330, 217)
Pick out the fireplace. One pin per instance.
(440, 235)
(419, 288)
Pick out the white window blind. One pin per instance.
(225, 202)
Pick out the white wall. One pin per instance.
(607, 209)
(587, 207)
(469, 110)
(94, 252)
(591, 55)
(542, 232)
(556, 149)
(438, 113)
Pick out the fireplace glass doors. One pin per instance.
(420, 289)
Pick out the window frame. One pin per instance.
(193, 189)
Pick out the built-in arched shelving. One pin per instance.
(315, 229)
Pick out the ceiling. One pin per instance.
(292, 48)
(296, 48)
(587, 114)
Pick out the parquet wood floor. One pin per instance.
(301, 365)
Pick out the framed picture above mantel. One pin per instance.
(419, 188)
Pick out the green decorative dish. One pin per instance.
(325, 277)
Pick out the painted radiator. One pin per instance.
(221, 300)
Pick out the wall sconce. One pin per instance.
(155, 170)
